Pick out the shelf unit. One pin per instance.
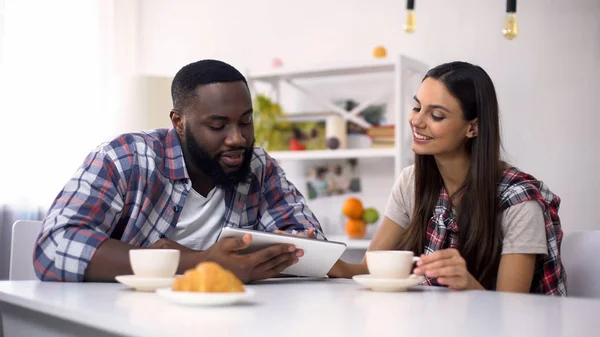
(404, 69)
(333, 154)
(406, 72)
(321, 71)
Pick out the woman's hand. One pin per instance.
(450, 269)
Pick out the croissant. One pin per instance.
(208, 277)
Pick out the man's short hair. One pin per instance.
(202, 72)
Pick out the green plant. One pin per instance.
(266, 115)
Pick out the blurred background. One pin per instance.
(75, 73)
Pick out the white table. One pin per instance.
(291, 308)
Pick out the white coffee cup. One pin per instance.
(390, 263)
(154, 262)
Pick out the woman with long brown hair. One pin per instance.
(476, 222)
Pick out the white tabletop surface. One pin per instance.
(291, 307)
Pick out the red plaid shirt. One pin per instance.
(515, 187)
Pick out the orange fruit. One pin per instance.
(353, 208)
(355, 228)
(379, 52)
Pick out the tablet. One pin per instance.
(319, 255)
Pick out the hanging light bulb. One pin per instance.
(410, 24)
(511, 28)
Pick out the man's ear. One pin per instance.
(473, 129)
(178, 121)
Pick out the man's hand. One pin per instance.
(265, 263)
(307, 234)
(168, 244)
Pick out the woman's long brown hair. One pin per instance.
(479, 240)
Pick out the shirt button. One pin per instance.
(175, 209)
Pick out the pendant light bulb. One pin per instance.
(511, 27)
(410, 24)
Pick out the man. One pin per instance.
(176, 188)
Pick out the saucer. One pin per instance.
(140, 283)
(204, 299)
(388, 284)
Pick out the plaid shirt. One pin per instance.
(134, 189)
(515, 187)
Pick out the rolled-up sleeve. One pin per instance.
(79, 220)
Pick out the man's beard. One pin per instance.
(211, 167)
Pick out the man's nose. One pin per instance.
(235, 138)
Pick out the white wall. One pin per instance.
(547, 79)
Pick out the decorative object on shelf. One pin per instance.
(266, 114)
(335, 127)
(374, 114)
(358, 217)
(333, 143)
(382, 136)
(359, 141)
(274, 133)
(511, 28)
(337, 177)
(410, 24)
(379, 52)
(276, 63)
(353, 208)
(355, 228)
(296, 145)
(299, 136)
(370, 216)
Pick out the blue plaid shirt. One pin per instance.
(134, 188)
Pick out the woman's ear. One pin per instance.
(473, 129)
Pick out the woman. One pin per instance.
(476, 222)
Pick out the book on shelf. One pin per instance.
(381, 131)
(382, 136)
(382, 145)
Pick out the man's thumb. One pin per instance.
(241, 243)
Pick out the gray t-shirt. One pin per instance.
(523, 226)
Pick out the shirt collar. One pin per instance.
(174, 167)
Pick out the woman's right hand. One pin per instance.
(338, 270)
(342, 269)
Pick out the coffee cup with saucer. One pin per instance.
(389, 270)
(152, 269)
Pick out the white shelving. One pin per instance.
(398, 77)
(322, 71)
(404, 70)
(333, 154)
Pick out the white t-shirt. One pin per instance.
(201, 219)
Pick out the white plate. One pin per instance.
(388, 284)
(145, 283)
(197, 298)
